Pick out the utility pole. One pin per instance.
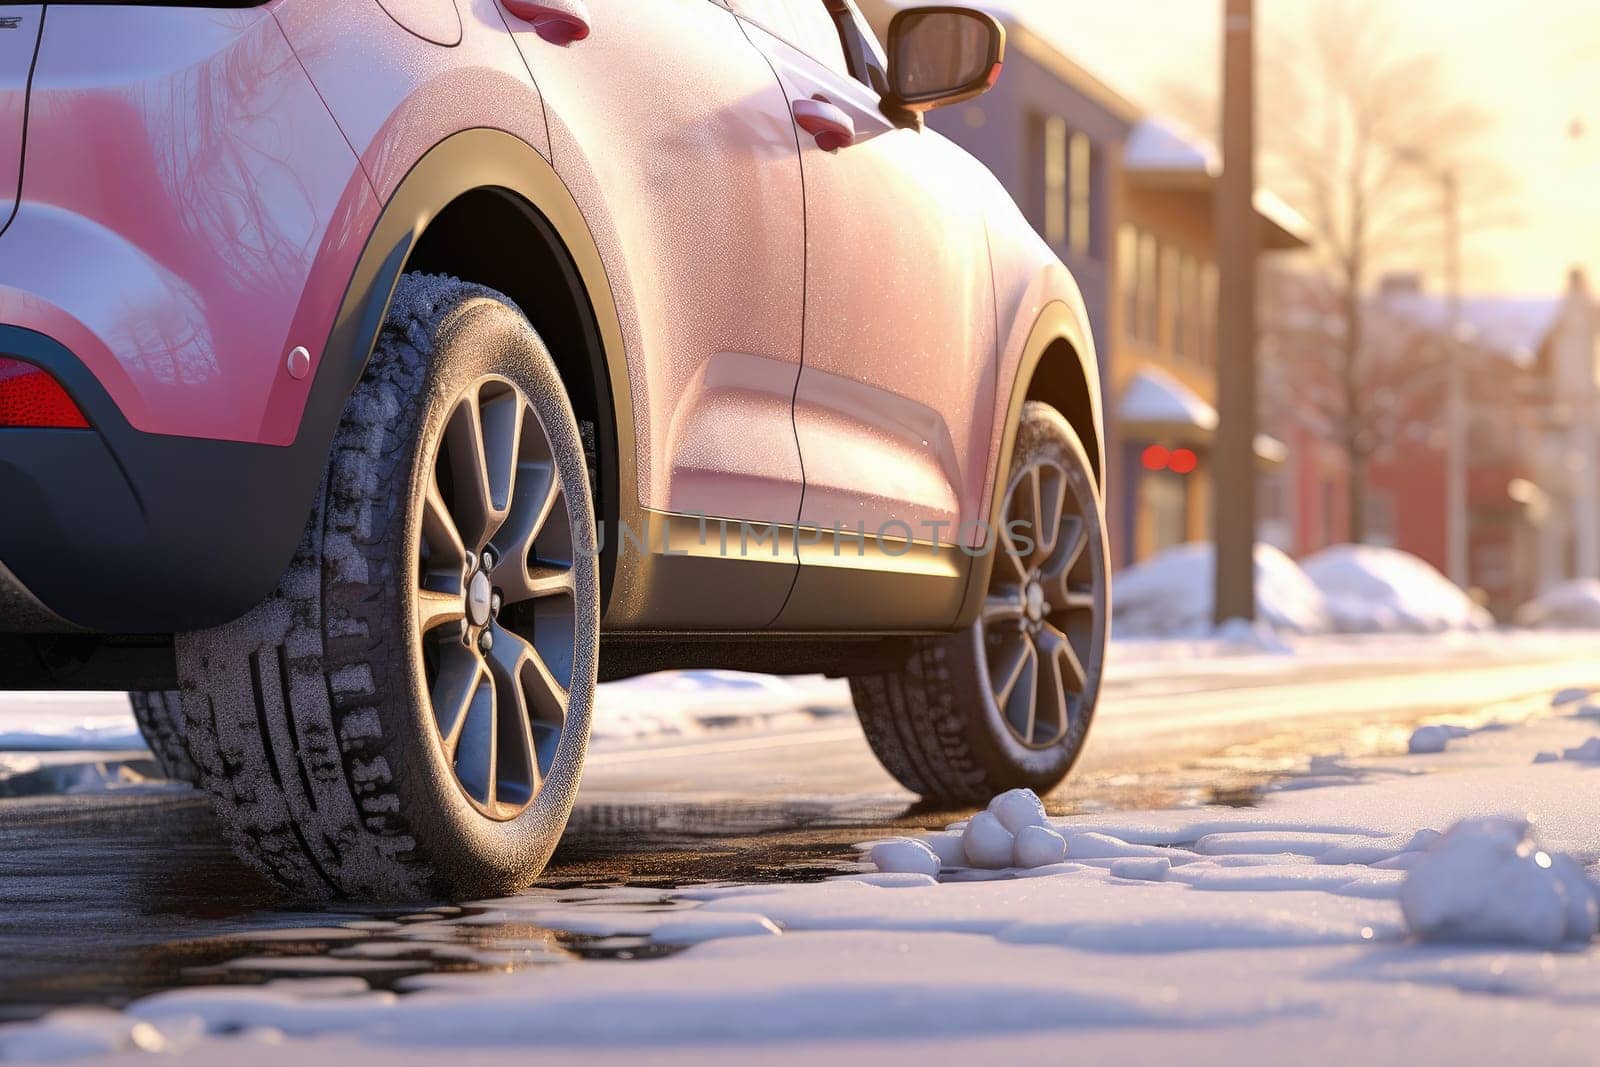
(1238, 237)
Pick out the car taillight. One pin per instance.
(30, 397)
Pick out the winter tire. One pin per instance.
(406, 716)
(160, 718)
(1008, 702)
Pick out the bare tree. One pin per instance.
(1356, 132)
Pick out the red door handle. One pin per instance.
(830, 125)
(561, 22)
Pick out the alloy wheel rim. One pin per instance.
(1038, 622)
(495, 599)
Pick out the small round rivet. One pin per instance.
(299, 362)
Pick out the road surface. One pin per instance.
(107, 896)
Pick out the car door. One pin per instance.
(675, 140)
(894, 406)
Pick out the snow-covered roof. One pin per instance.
(1159, 149)
(1157, 402)
(1160, 145)
(1157, 398)
(1515, 326)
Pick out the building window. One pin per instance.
(1128, 278)
(1163, 511)
(1080, 193)
(1188, 316)
(1068, 160)
(1171, 302)
(1149, 290)
(1055, 181)
(1208, 314)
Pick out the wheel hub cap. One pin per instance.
(1033, 602)
(1039, 625)
(479, 593)
(496, 601)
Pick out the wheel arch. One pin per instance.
(1057, 366)
(1058, 379)
(484, 206)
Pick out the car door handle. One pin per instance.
(561, 22)
(829, 124)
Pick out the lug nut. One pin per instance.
(488, 560)
(486, 641)
(495, 603)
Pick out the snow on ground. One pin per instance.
(1344, 589)
(679, 703)
(1569, 606)
(61, 742)
(46, 722)
(1343, 920)
(1384, 590)
(672, 704)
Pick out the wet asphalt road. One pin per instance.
(104, 897)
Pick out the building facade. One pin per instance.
(1127, 202)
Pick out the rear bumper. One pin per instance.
(119, 531)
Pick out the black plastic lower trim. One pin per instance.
(128, 532)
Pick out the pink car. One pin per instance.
(376, 376)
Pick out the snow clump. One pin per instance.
(1017, 808)
(1013, 832)
(905, 855)
(987, 842)
(1038, 846)
(1434, 738)
(1488, 880)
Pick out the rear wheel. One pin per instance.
(1008, 702)
(406, 717)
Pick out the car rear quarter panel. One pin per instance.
(396, 95)
(16, 60)
(189, 214)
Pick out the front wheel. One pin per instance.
(1007, 703)
(159, 714)
(406, 717)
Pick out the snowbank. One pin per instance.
(1383, 590)
(1171, 594)
(1569, 606)
(1351, 589)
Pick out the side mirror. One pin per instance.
(943, 55)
